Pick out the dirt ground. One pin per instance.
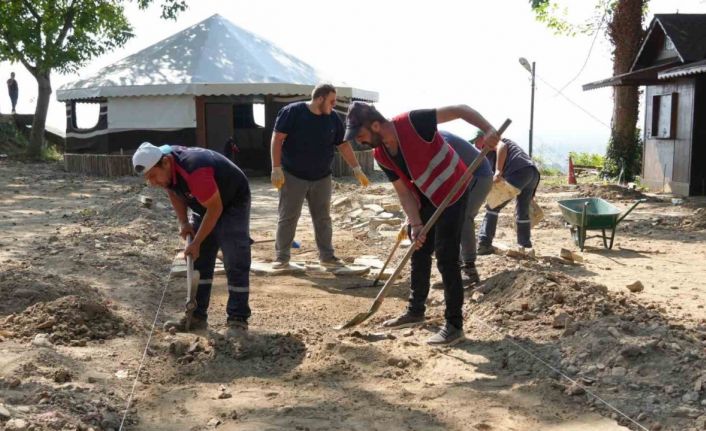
(83, 266)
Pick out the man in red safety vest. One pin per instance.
(423, 169)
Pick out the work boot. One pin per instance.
(448, 335)
(236, 327)
(485, 249)
(469, 274)
(331, 262)
(179, 325)
(280, 264)
(404, 321)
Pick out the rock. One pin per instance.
(62, 376)
(618, 372)
(213, 423)
(699, 383)
(377, 209)
(561, 321)
(121, 374)
(4, 412)
(16, 425)
(574, 390)
(42, 340)
(631, 351)
(686, 412)
(224, 395)
(341, 201)
(392, 207)
(690, 397)
(635, 287)
(701, 422)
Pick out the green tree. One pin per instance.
(625, 30)
(63, 35)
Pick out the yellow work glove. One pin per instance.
(360, 175)
(402, 234)
(277, 177)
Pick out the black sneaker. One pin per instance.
(485, 249)
(331, 262)
(404, 321)
(448, 335)
(179, 325)
(469, 274)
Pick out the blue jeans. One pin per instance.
(443, 239)
(232, 235)
(525, 179)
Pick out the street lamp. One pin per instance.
(531, 70)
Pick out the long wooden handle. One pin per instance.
(440, 209)
(392, 253)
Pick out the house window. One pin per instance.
(664, 114)
(668, 44)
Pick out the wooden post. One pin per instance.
(340, 168)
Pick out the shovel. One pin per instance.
(389, 258)
(192, 284)
(362, 317)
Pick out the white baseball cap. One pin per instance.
(145, 157)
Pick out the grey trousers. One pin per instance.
(476, 193)
(291, 198)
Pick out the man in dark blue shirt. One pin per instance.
(218, 194)
(302, 147)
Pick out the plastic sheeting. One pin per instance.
(165, 112)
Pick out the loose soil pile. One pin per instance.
(610, 343)
(70, 320)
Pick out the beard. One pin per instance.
(375, 140)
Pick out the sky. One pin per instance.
(417, 54)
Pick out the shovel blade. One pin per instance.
(361, 317)
(355, 321)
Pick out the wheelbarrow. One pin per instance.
(582, 215)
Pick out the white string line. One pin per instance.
(508, 338)
(144, 354)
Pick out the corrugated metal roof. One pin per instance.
(645, 76)
(213, 57)
(684, 70)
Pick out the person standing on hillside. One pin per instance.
(302, 148)
(13, 90)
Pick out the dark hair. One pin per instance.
(322, 90)
(374, 115)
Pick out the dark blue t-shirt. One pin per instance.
(307, 151)
(516, 158)
(198, 173)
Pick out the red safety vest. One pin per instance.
(434, 166)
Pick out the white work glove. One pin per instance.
(360, 175)
(277, 177)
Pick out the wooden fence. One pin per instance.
(341, 169)
(103, 165)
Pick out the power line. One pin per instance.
(590, 49)
(560, 93)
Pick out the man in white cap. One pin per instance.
(218, 194)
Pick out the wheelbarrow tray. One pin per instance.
(599, 213)
(587, 214)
